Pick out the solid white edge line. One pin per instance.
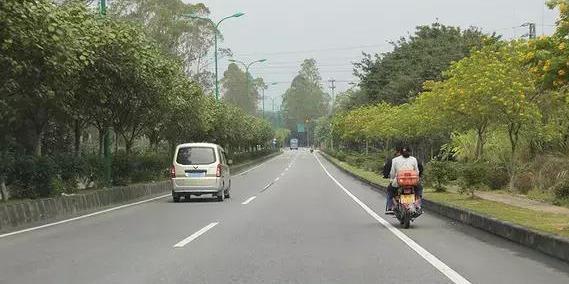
(83, 216)
(248, 200)
(433, 260)
(242, 173)
(195, 235)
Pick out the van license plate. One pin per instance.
(200, 174)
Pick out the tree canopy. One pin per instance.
(240, 90)
(64, 68)
(305, 100)
(396, 77)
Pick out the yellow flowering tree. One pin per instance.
(492, 87)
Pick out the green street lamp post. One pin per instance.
(107, 158)
(247, 67)
(216, 30)
(103, 7)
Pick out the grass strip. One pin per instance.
(556, 224)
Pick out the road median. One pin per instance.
(547, 243)
(22, 214)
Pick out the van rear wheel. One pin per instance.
(228, 191)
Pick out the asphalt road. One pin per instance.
(303, 221)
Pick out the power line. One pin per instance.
(332, 88)
(315, 50)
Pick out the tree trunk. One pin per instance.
(367, 147)
(37, 143)
(480, 141)
(513, 134)
(128, 142)
(172, 145)
(3, 189)
(77, 132)
(117, 142)
(101, 141)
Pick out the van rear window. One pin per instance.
(195, 156)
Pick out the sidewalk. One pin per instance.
(523, 202)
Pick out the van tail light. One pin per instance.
(218, 171)
(172, 171)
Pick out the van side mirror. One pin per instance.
(230, 162)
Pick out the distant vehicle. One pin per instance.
(294, 144)
(200, 168)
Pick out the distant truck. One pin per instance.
(294, 144)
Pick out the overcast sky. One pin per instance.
(335, 33)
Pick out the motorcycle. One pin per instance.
(408, 204)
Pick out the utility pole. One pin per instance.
(333, 88)
(307, 132)
(274, 113)
(532, 30)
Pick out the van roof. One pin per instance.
(199, 145)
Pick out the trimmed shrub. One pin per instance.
(373, 165)
(497, 178)
(70, 170)
(472, 176)
(524, 182)
(136, 168)
(561, 189)
(33, 177)
(340, 155)
(439, 173)
(247, 156)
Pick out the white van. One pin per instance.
(200, 168)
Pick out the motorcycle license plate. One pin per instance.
(408, 199)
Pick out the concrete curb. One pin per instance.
(16, 215)
(546, 243)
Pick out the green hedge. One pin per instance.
(33, 177)
(247, 156)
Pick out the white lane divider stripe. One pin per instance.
(84, 216)
(433, 260)
(277, 179)
(195, 235)
(249, 200)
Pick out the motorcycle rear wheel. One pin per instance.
(406, 221)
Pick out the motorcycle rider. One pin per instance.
(390, 189)
(404, 162)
